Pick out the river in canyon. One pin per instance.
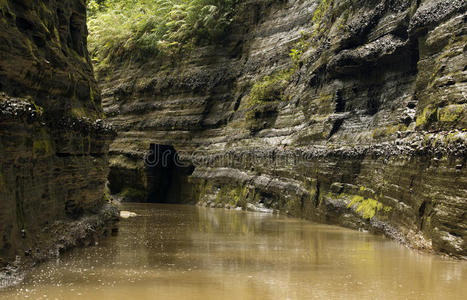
(187, 252)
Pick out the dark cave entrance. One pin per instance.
(167, 176)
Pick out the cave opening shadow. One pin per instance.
(167, 177)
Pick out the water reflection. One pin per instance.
(184, 252)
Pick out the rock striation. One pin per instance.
(53, 141)
(345, 112)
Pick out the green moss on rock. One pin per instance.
(366, 206)
(264, 99)
(452, 113)
(388, 131)
(427, 117)
(234, 196)
(270, 88)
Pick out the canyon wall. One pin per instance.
(53, 141)
(345, 112)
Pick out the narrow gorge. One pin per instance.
(349, 113)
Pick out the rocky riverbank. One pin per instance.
(58, 237)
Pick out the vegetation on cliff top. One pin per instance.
(150, 27)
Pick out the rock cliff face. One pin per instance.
(346, 112)
(53, 143)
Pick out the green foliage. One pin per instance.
(270, 88)
(295, 54)
(264, 99)
(154, 26)
(321, 10)
(298, 49)
(92, 7)
(235, 196)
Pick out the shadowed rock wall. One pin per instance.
(363, 126)
(53, 143)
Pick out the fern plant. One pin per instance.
(154, 26)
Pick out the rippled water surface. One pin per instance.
(186, 252)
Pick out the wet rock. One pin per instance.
(372, 120)
(127, 214)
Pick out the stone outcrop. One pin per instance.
(361, 121)
(53, 141)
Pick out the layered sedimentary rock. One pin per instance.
(53, 142)
(361, 121)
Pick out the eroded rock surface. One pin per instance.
(369, 131)
(53, 142)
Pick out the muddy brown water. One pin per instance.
(186, 252)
